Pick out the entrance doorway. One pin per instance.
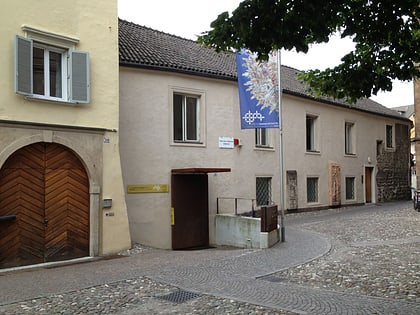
(44, 206)
(191, 213)
(190, 203)
(368, 184)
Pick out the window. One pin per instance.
(310, 133)
(51, 72)
(47, 70)
(312, 189)
(389, 136)
(349, 127)
(186, 114)
(263, 191)
(349, 188)
(262, 137)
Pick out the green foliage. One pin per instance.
(386, 34)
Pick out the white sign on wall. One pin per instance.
(226, 143)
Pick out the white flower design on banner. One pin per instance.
(262, 81)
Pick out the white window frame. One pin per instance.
(75, 77)
(349, 138)
(313, 133)
(64, 70)
(262, 138)
(200, 123)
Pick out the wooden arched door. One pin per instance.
(44, 206)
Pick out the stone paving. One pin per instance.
(363, 260)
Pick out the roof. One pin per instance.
(147, 48)
(405, 111)
(143, 47)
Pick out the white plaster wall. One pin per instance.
(148, 155)
(331, 121)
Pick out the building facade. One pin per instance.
(61, 192)
(179, 111)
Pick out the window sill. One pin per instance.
(313, 152)
(50, 100)
(264, 148)
(316, 203)
(350, 155)
(187, 144)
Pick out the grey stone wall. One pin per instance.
(393, 168)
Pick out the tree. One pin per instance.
(386, 36)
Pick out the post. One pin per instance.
(282, 227)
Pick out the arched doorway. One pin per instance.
(44, 206)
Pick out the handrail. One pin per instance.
(236, 204)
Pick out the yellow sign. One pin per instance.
(172, 216)
(147, 188)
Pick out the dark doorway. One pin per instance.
(368, 184)
(191, 213)
(190, 203)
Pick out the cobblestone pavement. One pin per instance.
(362, 260)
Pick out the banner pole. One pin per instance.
(281, 173)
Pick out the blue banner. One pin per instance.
(258, 92)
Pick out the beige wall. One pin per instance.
(148, 154)
(331, 138)
(94, 25)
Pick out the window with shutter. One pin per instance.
(80, 77)
(51, 72)
(23, 65)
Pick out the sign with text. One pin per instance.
(148, 188)
(226, 143)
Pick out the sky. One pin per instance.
(189, 18)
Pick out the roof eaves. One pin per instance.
(342, 105)
(178, 70)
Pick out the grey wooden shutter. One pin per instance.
(23, 65)
(79, 77)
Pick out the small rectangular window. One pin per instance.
(262, 137)
(389, 136)
(311, 133)
(349, 138)
(263, 191)
(185, 118)
(312, 189)
(350, 188)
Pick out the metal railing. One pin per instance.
(236, 200)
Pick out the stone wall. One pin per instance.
(393, 176)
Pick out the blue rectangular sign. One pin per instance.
(258, 92)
